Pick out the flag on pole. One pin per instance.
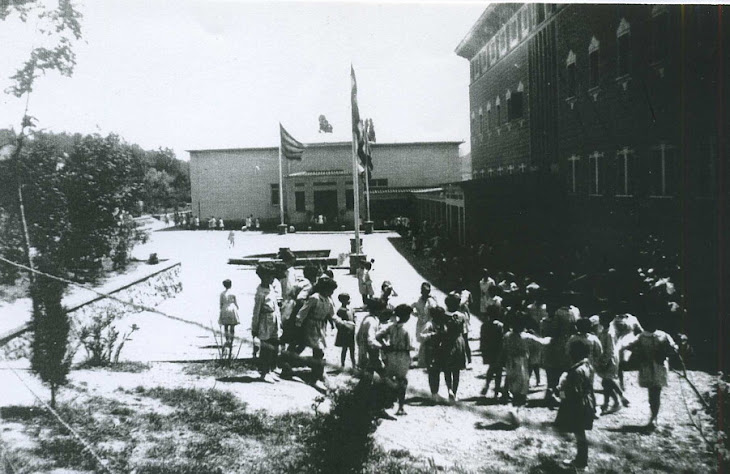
(358, 128)
(291, 148)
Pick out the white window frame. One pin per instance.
(662, 148)
(623, 156)
(594, 159)
(574, 178)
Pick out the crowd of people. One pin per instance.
(187, 221)
(526, 328)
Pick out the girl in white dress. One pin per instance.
(228, 315)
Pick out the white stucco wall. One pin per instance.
(235, 183)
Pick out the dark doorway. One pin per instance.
(325, 203)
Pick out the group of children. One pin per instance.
(521, 333)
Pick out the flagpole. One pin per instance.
(367, 192)
(282, 226)
(356, 194)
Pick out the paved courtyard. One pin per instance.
(204, 256)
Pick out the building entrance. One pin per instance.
(325, 203)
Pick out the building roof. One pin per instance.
(300, 174)
(488, 24)
(411, 190)
(333, 144)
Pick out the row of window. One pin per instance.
(514, 103)
(299, 196)
(662, 170)
(509, 36)
(658, 51)
(658, 47)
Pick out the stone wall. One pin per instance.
(149, 291)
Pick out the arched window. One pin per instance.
(572, 75)
(593, 61)
(623, 39)
(489, 115)
(499, 111)
(515, 103)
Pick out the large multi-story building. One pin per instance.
(592, 125)
(606, 116)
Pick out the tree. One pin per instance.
(50, 358)
(77, 189)
(167, 181)
(60, 27)
(158, 189)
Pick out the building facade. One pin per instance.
(603, 116)
(235, 183)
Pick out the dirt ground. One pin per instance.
(472, 436)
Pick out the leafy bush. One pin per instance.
(101, 339)
(718, 403)
(342, 440)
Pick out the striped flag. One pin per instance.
(291, 148)
(358, 128)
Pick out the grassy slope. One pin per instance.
(189, 430)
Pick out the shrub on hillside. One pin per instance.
(342, 440)
(718, 403)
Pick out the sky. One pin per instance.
(198, 74)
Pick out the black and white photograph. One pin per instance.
(352, 237)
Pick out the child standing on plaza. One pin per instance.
(652, 349)
(368, 348)
(607, 365)
(450, 354)
(228, 317)
(397, 346)
(490, 343)
(231, 239)
(365, 282)
(345, 321)
(266, 322)
(465, 308)
(431, 335)
(518, 343)
(577, 405)
(423, 307)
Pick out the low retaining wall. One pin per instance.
(149, 290)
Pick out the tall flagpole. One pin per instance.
(356, 193)
(367, 192)
(281, 188)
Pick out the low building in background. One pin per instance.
(236, 183)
